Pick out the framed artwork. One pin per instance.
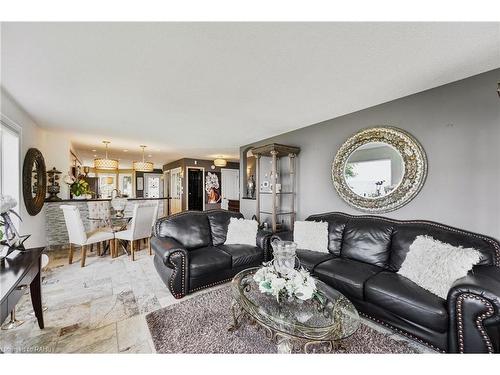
(212, 187)
(140, 183)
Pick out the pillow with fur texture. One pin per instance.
(435, 265)
(241, 232)
(311, 235)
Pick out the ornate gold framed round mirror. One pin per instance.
(379, 169)
(34, 181)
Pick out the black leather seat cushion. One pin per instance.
(407, 300)
(219, 221)
(243, 254)
(191, 230)
(347, 276)
(310, 259)
(368, 241)
(208, 260)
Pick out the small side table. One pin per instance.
(19, 273)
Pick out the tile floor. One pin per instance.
(100, 308)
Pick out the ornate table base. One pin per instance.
(285, 343)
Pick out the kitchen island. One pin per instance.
(55, 228)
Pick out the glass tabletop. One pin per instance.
(334, 318)
(115, 223)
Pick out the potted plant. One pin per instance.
(80, 188)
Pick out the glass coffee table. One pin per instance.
(310, 326)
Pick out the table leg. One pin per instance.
(284, 345)
(36, 296)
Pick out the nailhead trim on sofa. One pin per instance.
(172, 277)
(209, 285)
(495, 244)
(479, 320)
(397, 330)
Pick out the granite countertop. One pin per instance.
(105, 199)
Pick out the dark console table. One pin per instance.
(16, 276)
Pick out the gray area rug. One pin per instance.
(200, 325)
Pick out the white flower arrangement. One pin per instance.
(296, 285)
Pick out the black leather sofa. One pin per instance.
(189, 250)
(365, 253)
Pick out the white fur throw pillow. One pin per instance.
(241, 232)
(311, 235)
(435, 265)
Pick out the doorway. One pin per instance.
(195, 182)
(230, 186)
(175, 191)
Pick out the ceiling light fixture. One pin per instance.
(106, 163)
(220, 162)
(143, 166)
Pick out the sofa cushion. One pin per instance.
(407, 300)
(405, 234)
(336, 225)
(242, 232)
(190, 229)
(367, 240)
(208, 260)
(345, 275)
(244, 254)
(219, 221)
(311, 235)
(310, 259)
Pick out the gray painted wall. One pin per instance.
(459, 127)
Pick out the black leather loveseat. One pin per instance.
(365, 253)
(190, 253)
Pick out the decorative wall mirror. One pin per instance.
(34, 181)
(379, 169)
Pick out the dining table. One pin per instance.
(114, 224)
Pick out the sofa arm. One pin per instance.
(174, 256)
(263, 242)
(474, 309)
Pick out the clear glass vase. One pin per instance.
(284, 256)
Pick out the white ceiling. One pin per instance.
(204, 89)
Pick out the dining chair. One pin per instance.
(140, 227)
(78, 236)
(100, 212)
(155, 216)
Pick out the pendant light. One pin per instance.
(219, 162)
(143, 166)
(107, 164)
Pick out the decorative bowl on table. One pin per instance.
(118, 205)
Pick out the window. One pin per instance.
(125, 184)
(370, 178)
(10, 167)
(106, 184)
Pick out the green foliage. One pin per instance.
(349, 171)
(80, 187)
